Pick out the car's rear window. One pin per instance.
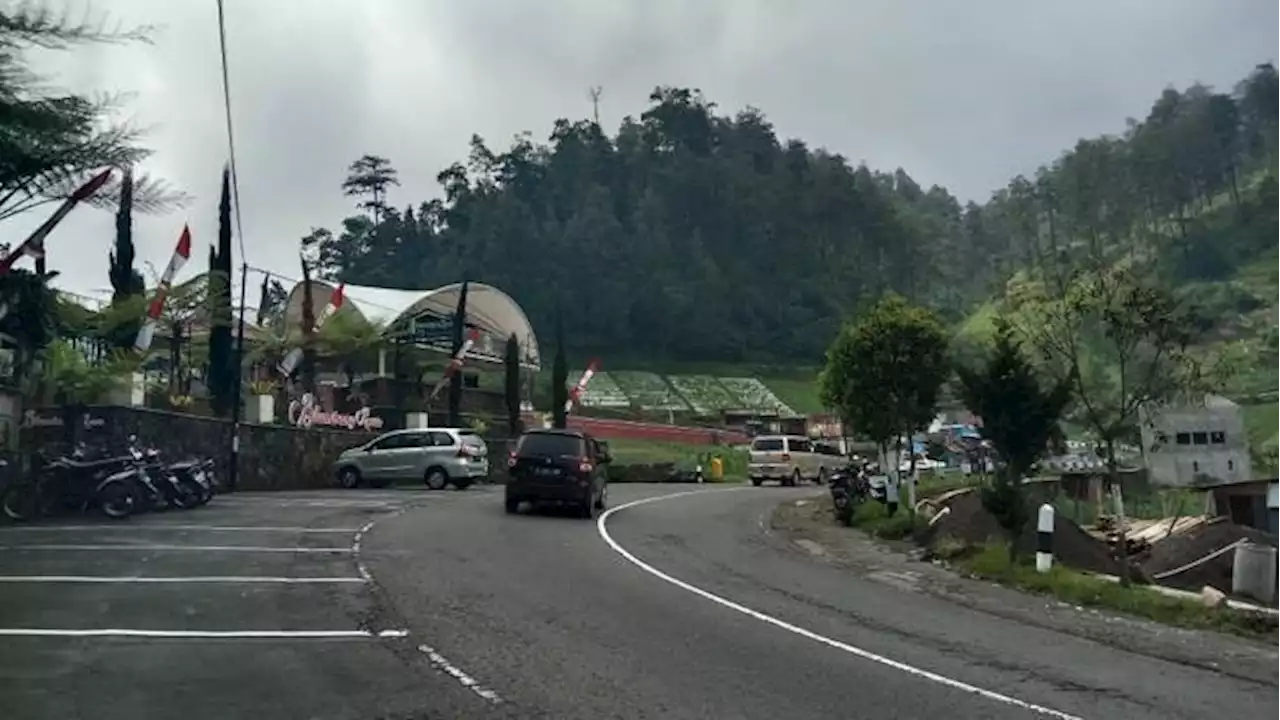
(550, 444)
(767, 445)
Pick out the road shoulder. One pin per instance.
(805, 527)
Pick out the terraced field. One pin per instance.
(705, 394)
(649, 391)
(755, 395)
(602, 391)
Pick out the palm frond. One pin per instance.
(35, 24)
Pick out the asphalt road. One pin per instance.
(680, 607)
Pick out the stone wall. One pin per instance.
(272, 457)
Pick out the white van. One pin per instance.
(788, 459)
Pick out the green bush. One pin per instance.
(874, 518)
(991, 562)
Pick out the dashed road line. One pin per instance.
(178, 548)
(209, 634)
(179, 580)
(442, 663)
(134, 527)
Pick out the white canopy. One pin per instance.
(488, 308)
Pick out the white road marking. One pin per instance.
(802, 632)
(356, 541)
(440, 662)
(177, 580)
(132, 527)
(210, 634)
(178, 548)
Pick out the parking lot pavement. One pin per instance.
(256, 604)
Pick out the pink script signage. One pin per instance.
(306, 412)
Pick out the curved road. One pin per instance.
(679, 603)
(686, 606)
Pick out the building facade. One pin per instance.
(1196, 444)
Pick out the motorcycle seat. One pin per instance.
(79, 464)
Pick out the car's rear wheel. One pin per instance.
(603, 501)
(349, 477)
(795, 478)
(512, 506)
(822, 476)
(436, 478)
(587, 510)
(757, 481)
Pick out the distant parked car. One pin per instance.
(789, 459)
(436, 456)
(566, 467)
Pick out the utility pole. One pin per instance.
(594, 92)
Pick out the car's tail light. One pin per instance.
(584, 464)
(786, 457)
(511, 459)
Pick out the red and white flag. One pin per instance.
(181, 253)
(575, 394)
(294, 356)
(34, 244)
(456, 362)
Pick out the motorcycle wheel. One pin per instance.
(116, 501)
(22, 502)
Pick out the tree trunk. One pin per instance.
(1122, 543)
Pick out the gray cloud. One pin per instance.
(963, 95)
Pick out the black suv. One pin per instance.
(558, 466)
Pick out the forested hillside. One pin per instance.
(692, 235)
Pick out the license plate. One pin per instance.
(547, 472)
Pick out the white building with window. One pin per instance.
(1196, 444)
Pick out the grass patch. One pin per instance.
(684, 457)
(991, 562)
(800, 394)
(873, 517)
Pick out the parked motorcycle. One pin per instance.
(119, 483)
(70, 484)
(849, 489)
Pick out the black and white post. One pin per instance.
(1044, 538)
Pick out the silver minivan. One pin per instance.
(436, 456)
(788, 459)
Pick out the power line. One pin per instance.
(231, 132)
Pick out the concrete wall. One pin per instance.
(1201, 444)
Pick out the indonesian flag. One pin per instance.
(294, 356)
(456, 362)
(181, 253)
(34, 244)
(575, 394)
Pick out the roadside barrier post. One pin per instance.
(1044, 538)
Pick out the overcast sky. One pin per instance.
(960, 94)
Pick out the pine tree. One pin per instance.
(459, 337)
(126, 283)
(559, 381)
(222, 375)
(511, 364)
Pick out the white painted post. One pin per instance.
(1044, 538)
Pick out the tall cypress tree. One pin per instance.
(221, 378)
(126, 283)
(511, 364)
(559, 380)
(459, 336)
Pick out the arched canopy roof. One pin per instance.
(489, 310)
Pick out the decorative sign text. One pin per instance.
(305, 412)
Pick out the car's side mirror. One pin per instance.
(605, 457)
